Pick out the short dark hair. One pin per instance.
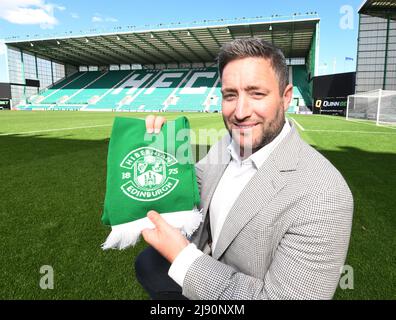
(255, 48)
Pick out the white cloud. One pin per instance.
(97, 17)
(30, 12)
(75, 15)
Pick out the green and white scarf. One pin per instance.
(149, 172)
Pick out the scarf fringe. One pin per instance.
(125, 235)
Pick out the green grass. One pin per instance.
(53, 186)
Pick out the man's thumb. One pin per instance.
(156, 219)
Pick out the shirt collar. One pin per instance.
(258, 158)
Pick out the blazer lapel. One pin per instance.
(212, 178)
(260, 190)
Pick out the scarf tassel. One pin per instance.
(127, 234)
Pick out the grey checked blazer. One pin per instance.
(287, 234)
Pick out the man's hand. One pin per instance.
(154, 123)
(167, 240)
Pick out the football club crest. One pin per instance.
(149, 174)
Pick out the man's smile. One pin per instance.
(244, 125)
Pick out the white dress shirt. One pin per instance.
(236, 176)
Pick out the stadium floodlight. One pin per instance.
(57, 42)
(377, 105)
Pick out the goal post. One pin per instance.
(378, 106)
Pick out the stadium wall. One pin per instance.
(24, 66)
(376, 55)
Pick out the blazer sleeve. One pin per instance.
(307, 262)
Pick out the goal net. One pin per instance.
(376, 105)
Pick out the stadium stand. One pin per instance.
(72, 88)
(196, 90)
(155, 69)
(134, 90)
(302, 88)
(56, 87)
(98, 87)
(122, 92)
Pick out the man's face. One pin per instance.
(253, 108)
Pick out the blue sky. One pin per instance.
(338, 27)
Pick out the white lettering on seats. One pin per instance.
(132, 83)
(160, 83)
(188, 89)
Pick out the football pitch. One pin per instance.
(53, 173)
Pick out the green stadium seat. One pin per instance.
(99, 87)
(73, 87)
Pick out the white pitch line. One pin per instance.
(72, 128)
(351, 131)
(387, 126)
(371, 124)
(58, 129)
(361, 122)
(299, 125)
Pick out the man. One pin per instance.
(277, 214)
